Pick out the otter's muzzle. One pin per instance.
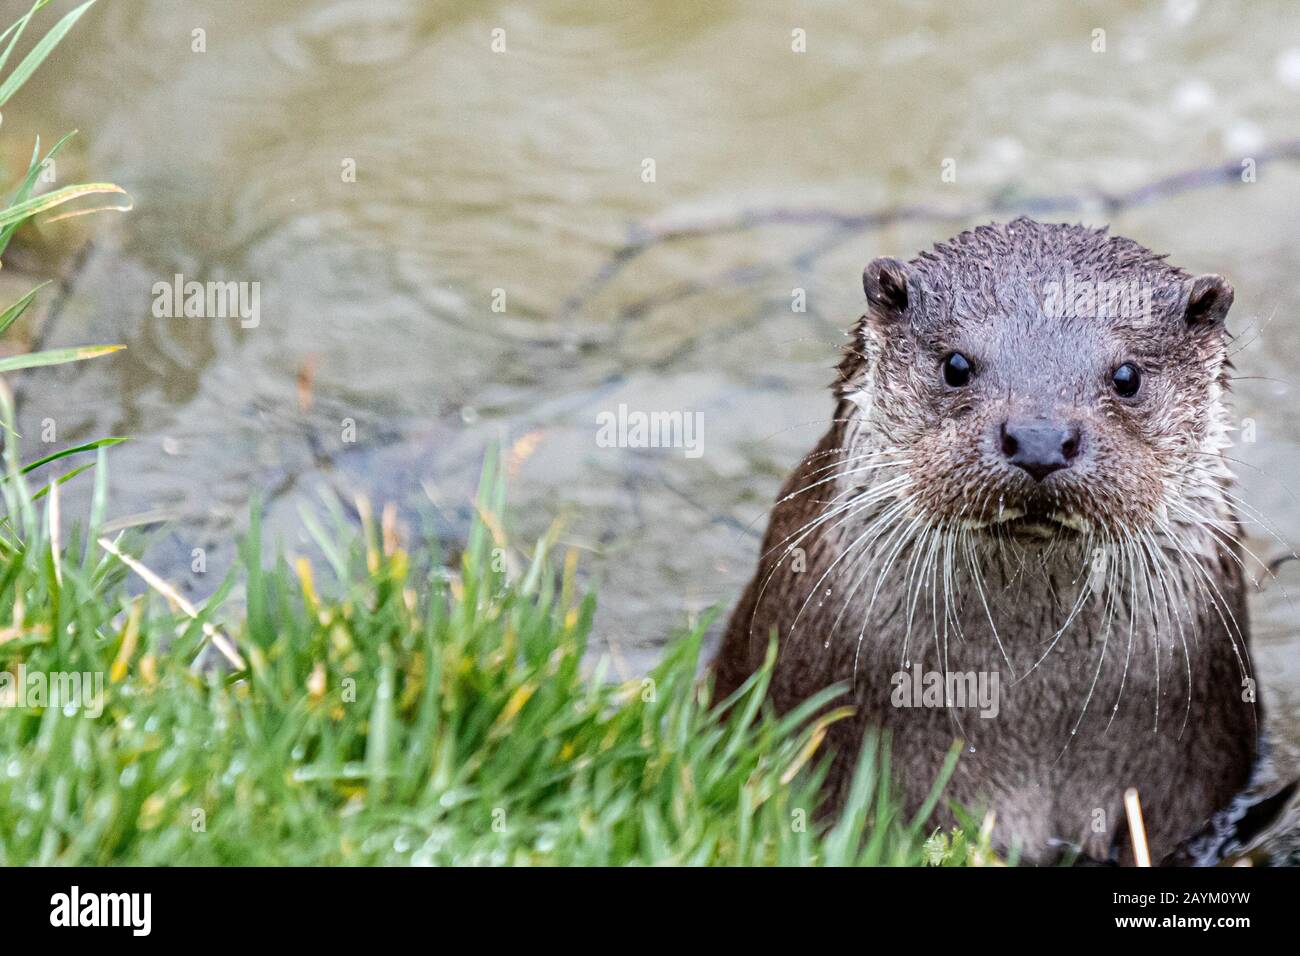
(1040, 447)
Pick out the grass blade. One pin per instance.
(17, 28)
(11, 314)
(62, 479)
(30, 207)
(56, 357)
(24, 189)
(23, 71)
(222, 643)
(74, 450)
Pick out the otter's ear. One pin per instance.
(886, 282)
(1208, 299)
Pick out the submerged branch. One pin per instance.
(843, 226)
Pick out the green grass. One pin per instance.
(390, 710)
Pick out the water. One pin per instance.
(478, 171)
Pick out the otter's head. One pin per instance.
(1040, 379)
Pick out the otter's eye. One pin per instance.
(956, 370)
(1127, 380)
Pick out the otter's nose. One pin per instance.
(1038, 447)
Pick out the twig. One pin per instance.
(1136, 829)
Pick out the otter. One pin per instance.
(1020, 532)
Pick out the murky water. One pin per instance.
(437, 302)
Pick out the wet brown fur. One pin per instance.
(1120, 642)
